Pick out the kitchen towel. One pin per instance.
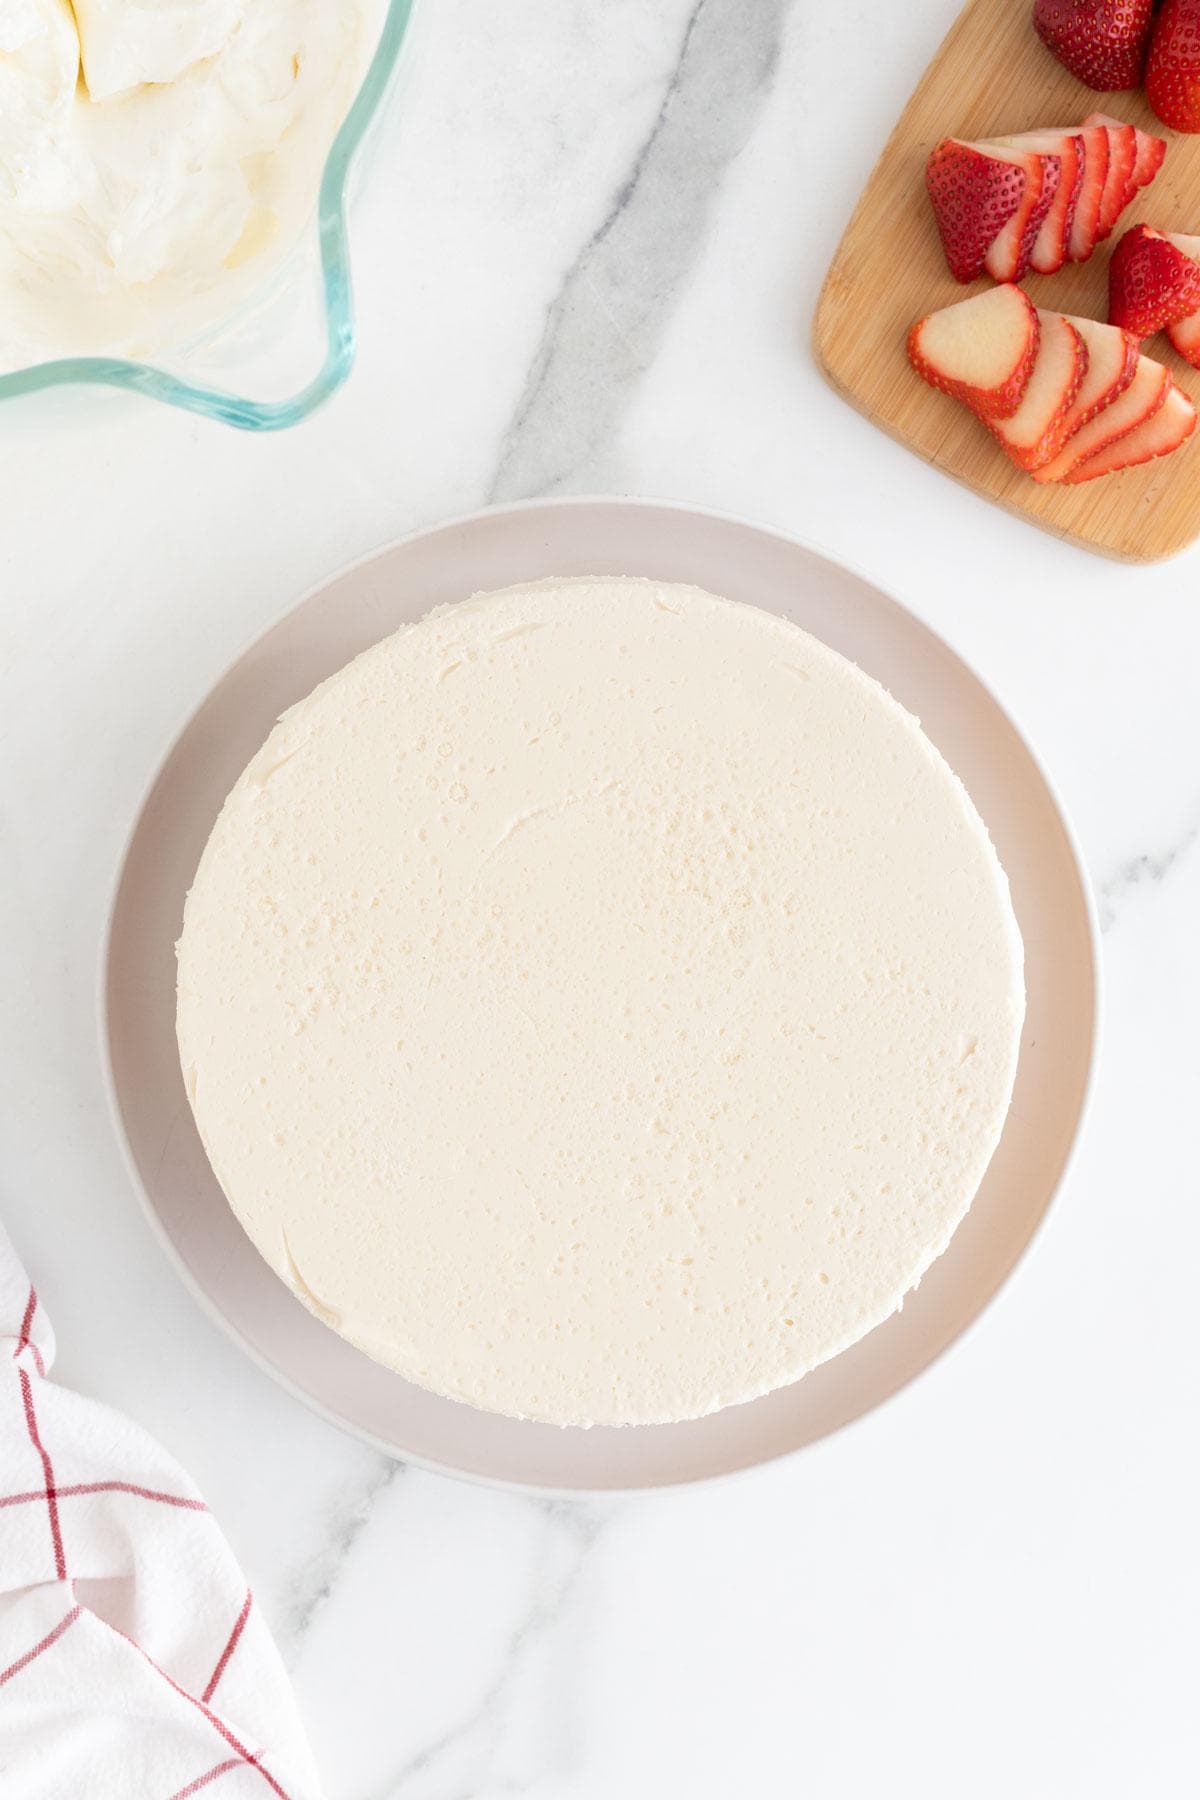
(133, 1665)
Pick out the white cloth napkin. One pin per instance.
(133, 1665)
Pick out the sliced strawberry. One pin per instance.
(1140, 401)
(1151, 151)
(1151, 281)
(1085, 220)
(1103, 42)
(1185, 338)
(1118, 182)
(1148, 159)
(1008, 257)
(1112, 365)
(974, 194)
(1052, 173)
(1048, 251)
(1173, 66)
(1164, 431)
(1035, 432)
(980, 350)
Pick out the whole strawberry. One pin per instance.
(1103, 42)
(1173, 71)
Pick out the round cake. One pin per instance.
(599, 1002)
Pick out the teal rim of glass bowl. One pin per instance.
(216, 403)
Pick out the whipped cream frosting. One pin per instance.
(599, 1002)
(157, 159)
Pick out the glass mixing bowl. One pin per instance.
(304, 309)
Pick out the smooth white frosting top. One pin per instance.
(155, 154)
(600, 1002)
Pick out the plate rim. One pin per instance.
(208, 1305)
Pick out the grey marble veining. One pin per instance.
(312, 1591)
(605, 323)
(460, 1760)
(1146, 869)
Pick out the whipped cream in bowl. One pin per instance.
(160, 167)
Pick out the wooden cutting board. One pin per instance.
(991, 77)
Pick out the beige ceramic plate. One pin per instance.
(491, 550)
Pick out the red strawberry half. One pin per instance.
(974, 195)
(1151, 281)
(1173, 68)
(1103, 42)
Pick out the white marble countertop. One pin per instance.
(587, 258)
